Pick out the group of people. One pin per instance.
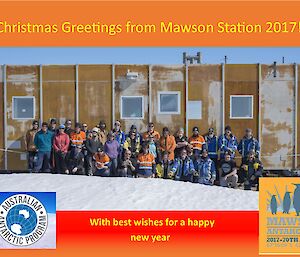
(207, 159)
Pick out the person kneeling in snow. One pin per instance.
(76, 161)
(206, 169)
(146, 163)
(251, 170)
(163, 169)
(228, 171)
(183, 168)
(126, 168)
(102, 163)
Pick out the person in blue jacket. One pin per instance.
(227, 143)
(212, 145)
(247, 144)
(43, 142)
(183, 167)
(206, 169)
(119, 134)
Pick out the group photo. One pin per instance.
(151, 128)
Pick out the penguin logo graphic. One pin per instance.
(287, 203)
(296, 201)
(273, 205)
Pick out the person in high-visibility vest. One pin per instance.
(78, 137)
(196, 141)
(146, 163)
(102, 163)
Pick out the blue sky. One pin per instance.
(48, 199)
(141, 55)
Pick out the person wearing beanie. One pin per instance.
(29, 144)
(52, 126)
(227, 143)
(146, 163)
(77, 137)
(112, 149)
(206, 169)
(102, 132)
(60, 146)
(196, 141)
(102, 163)
(43, 141)
(68, 129)
(167, 143)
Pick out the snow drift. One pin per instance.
(96, 193)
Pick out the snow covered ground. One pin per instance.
(96, 193)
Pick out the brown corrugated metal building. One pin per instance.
(262, 97)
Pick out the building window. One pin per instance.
(23, 107)
(132, 107)
(169, 102)
(241, 107)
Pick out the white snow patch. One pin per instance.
(96, 193)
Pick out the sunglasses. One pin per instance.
(84, 126)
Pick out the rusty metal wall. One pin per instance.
(167, 78)
(1, 117)
(21, 81)
(59, 92)
(277, 110)
(205, 85)
(132, 87)
(95, 94)
(241, 79)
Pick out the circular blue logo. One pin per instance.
(21, 220)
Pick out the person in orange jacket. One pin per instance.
(146, 163)
(78, 137)
(167, 143)
(197, 141)
(102, 163)
(151, 133)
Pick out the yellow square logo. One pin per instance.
(279, 216)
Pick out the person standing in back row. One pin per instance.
(92, 146)
(196, 141)
(247, 144)
(151, 132)
(43, 142)
(167, 143)
(29, 144)
(227, 143)
(61, 145)
(112, 149)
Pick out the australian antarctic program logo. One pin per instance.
(279, 216)
(23, 218)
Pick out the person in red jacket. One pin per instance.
(61, 145)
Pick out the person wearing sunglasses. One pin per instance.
(151, 133)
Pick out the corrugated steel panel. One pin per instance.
(21, 81)
(131, 87)
(59, 92)
(168, 78)
(205, 85)
(277, 94)
(95, 94)
(241, 79)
